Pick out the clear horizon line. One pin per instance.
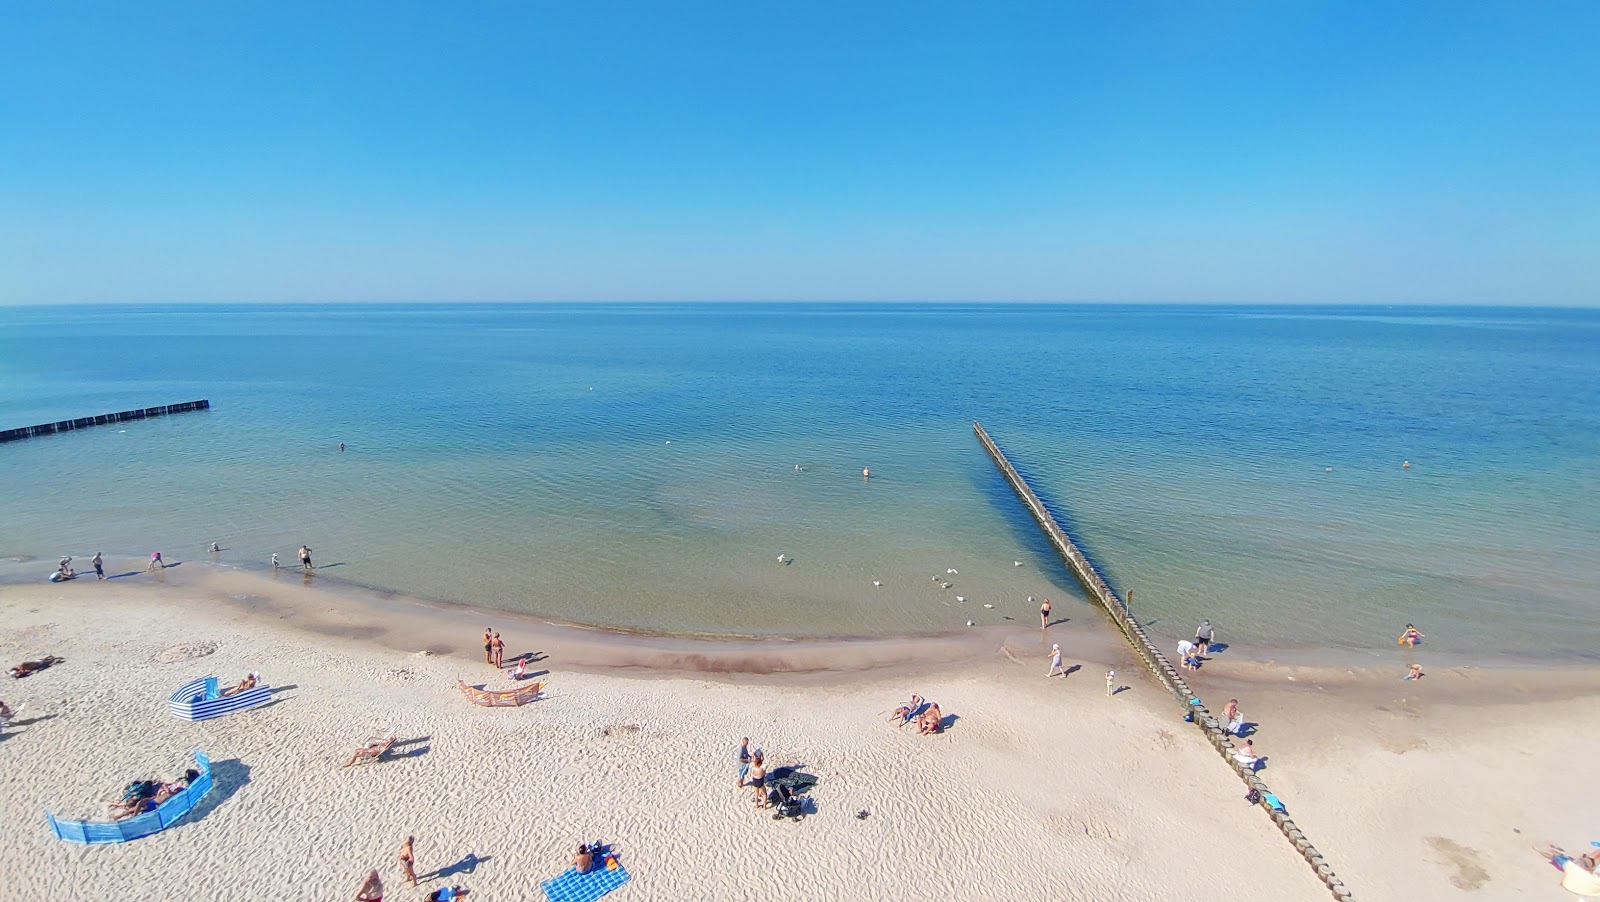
(1576, 305)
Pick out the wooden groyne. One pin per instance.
(1099, 590)
(102, 419)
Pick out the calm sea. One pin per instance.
(646, 465)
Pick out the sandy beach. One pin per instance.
(1039, 790)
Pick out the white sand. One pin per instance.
(1041, 790)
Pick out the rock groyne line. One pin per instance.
(101, 420)
(1152, 657)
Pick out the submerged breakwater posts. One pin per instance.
(103, 419)
(1152, 657)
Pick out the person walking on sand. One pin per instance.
(499, 652)
(99, 566)
(1203, 634)
(1044, 614)
(408, 861)
(488, 645)
(1111, 683)
(155, 561)
(305, 557)
(371, 888)
(1055, 662)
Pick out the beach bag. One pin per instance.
(1253, 797)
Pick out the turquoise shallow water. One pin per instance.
(636, 465)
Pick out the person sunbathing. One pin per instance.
(147, 795)
(583, 859)
(245, 685)
(372, 751)
(27, 667)
(905, 712)
(932, 720)
(1557, 857)
(447, 894)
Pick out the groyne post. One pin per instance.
(1100, 591)
(101, 420)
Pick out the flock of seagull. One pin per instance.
(786, 560)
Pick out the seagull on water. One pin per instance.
(962, 599)
(988, 605)
(1016, 563)
(877, 582)
(950, 570)
(784, 559)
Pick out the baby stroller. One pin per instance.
(786, 804)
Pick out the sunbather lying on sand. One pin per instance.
(372, 751)
(147, 795)
(905, 711)
(931, 721)
(27, 667)
(1559, 858)
(246, 684)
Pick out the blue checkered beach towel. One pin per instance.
(575, 887)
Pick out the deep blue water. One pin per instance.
(636, 464)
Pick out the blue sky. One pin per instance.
(1178, 152)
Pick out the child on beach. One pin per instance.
(1411, 637)
(1111, 682)
(155, 561)
(1415, 673)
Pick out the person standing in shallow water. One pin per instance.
(1044, 614)
(99, 566)
(305, 557)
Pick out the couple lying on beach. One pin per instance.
(929, 718)
(142, 796)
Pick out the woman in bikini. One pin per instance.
(408, 861)
(758, 779)
(905, 712)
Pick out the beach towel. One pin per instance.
(572, 886)
(798, 781)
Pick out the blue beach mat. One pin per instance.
(572, 886)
